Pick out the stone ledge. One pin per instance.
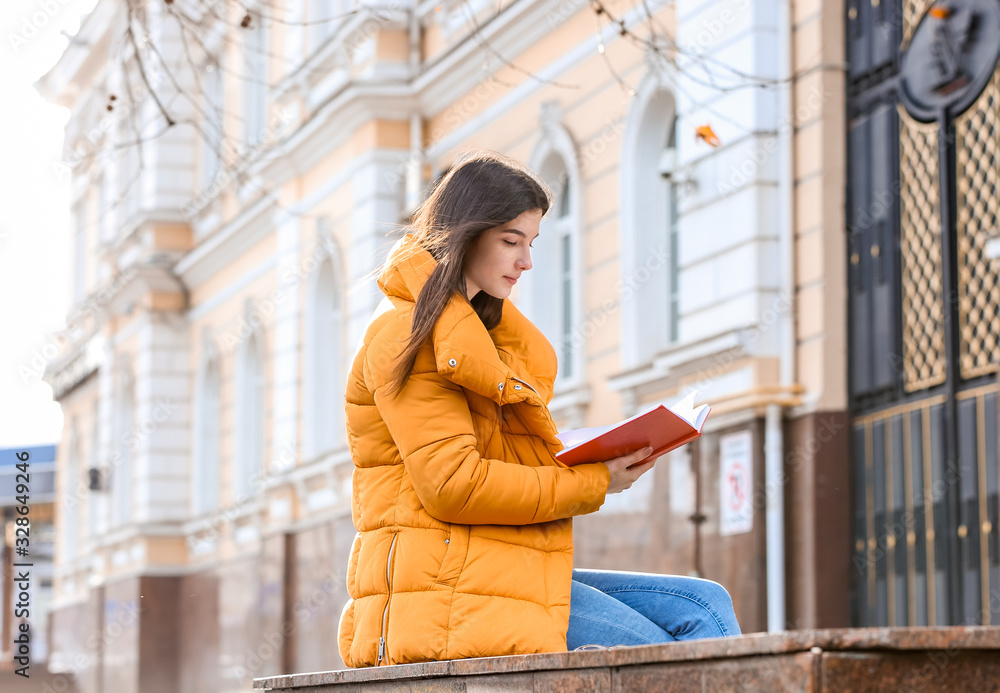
(860, 659)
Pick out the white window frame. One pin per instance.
(249, 432)
(205, 494)
(326, 331)
(646, 227)
(213, 121)
(121, 452)
(554, 157)
(255, 85)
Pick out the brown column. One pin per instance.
(288, 663)
(817, 521)
(159, 634)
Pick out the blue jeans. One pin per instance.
(610, 607)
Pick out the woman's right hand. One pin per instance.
(622, 476)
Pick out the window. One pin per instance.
(127, 197)
(212, 122)
(650, 247)
(121, 452)
(325, 352)
(79, 248)
(206, 453)
(254, 79)
(249, 417)
(70, 498)
(555, 282)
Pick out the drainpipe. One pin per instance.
(773, 433)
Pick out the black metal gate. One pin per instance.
(924, 310)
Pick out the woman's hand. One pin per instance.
(622, 476)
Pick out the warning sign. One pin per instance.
(736, 483)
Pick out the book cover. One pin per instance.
(663, 428)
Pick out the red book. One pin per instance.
(662, 428)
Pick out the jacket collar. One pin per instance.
(481, 360)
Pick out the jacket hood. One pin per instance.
(515, 348)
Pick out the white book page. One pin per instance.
(576, 436)
(686, 410)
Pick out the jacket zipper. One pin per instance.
(385, 611)
(548, 414)
(529, 386)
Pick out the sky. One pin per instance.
(35, 221)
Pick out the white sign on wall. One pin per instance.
(736, 483)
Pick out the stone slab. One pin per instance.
(837, 659)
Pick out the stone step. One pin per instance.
(822, 661)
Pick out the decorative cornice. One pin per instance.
(666, 370)
(332, 127)
(233, 240)
(61, 84)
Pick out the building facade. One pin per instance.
(224, 263)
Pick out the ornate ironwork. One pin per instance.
(977, 137)
(920, 248)
(913, 12)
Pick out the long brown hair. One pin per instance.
(485, 190)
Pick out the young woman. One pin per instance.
(465, 537)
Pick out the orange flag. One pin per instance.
(705, 132)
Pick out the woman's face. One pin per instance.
(500, 255)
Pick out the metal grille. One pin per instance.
(920, 249)
(977, 134)
(913, 11)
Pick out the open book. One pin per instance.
(663, 428)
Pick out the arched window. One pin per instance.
(554, 292)
(205, 493)
(122, 453)
(249, 415)
(649, 241)
(325, 333)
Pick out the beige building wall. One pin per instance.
(360, 125)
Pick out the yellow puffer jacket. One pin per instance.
(465, 542)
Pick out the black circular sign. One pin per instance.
(950, 57)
